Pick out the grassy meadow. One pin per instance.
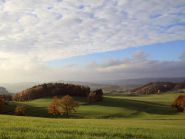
(116, 117)
(28, 127)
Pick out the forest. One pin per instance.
(50, 90)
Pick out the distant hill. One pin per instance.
(133, 83)
(3, 91)
(17, 87)
(157, 87)
(93, 86)
(108, 85)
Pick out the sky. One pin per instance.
(91, 40)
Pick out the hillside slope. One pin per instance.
(151, 106)
(158, 87)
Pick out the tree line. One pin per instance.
(52, 89)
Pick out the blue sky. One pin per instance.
(167, 51)
(91, 40)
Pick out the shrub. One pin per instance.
(63, 106)
(20, 111)
(179, 103)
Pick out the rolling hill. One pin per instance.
(133, 83)
(157, 87)
(108, 85)
(111, 107)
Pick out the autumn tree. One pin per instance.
(2, 102)
(20, 111)
(179, 103)
(53, 108)
(63, 106)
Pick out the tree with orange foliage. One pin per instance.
(2, 102)
(179, 103)
(53, 107)
(20, 111)
(64, 106)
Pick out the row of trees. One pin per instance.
(52, 89)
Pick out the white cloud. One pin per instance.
(61, 29)
(34, 32)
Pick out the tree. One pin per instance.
(179, 103)
(64, 106)
(20, 111)
(2, 102)
(53, 108)
(95, 96)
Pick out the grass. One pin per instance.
(115, 117)
(27, 127)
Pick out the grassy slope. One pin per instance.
(121, 117)
(153, 106)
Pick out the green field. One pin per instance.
(115, 117)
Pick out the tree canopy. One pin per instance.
(63, 106)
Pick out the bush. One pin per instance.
(20, 111)
(63, 106)
(179, 103)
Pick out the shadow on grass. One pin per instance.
(122, 115)
(138, 105)
(33, 111)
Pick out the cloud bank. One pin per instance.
(138, 66)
